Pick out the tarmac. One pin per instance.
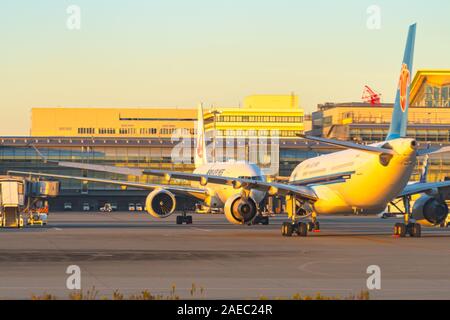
(212, 259)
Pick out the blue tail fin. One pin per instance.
(400, 114)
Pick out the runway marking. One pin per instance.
(205, 230)
(57, 229)
(305, 266)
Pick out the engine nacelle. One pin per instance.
(240, 211)
(160, 203)
(429, 211)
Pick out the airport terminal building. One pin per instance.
(144, 137)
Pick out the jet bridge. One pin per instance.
(23, 198)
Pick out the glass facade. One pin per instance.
(374, 134)
(157, 154)
(433, 96)
(26, 159)
(282, 119)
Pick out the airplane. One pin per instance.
(360, 179)
(241, 206)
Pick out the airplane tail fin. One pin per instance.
(400, 113)
(200, 147)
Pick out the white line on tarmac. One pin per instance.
(206, 230)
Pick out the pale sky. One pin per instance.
(179, 52)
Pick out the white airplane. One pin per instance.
(361, 179)
(240, 205)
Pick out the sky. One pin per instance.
(139, 53)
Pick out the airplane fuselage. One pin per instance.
(219, 193)
(373, 180)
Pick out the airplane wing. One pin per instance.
(420, 187)
(198, 193)
(329, 178)
(92, 167)
(281, 179)
(271, 187)
(98, 167)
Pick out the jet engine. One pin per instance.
(429, 211)
(160, 203)
(239, 210)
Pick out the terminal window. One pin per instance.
(437, 96)
(167, 130)
(106, 131)
(86, 130)
(292, 119)
(148, 131)
(127, 131)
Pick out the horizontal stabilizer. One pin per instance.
(348, 145)
(423, 152)
(420, 187)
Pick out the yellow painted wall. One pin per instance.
(259, 114)
(157, 122)
(160, 122)
(271, 101)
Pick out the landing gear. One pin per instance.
(296, 207)
(314, 225)
(302, 229)
(184, 218)
(412, 229)
(407, 228)
(289, 228)
(400, 230)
